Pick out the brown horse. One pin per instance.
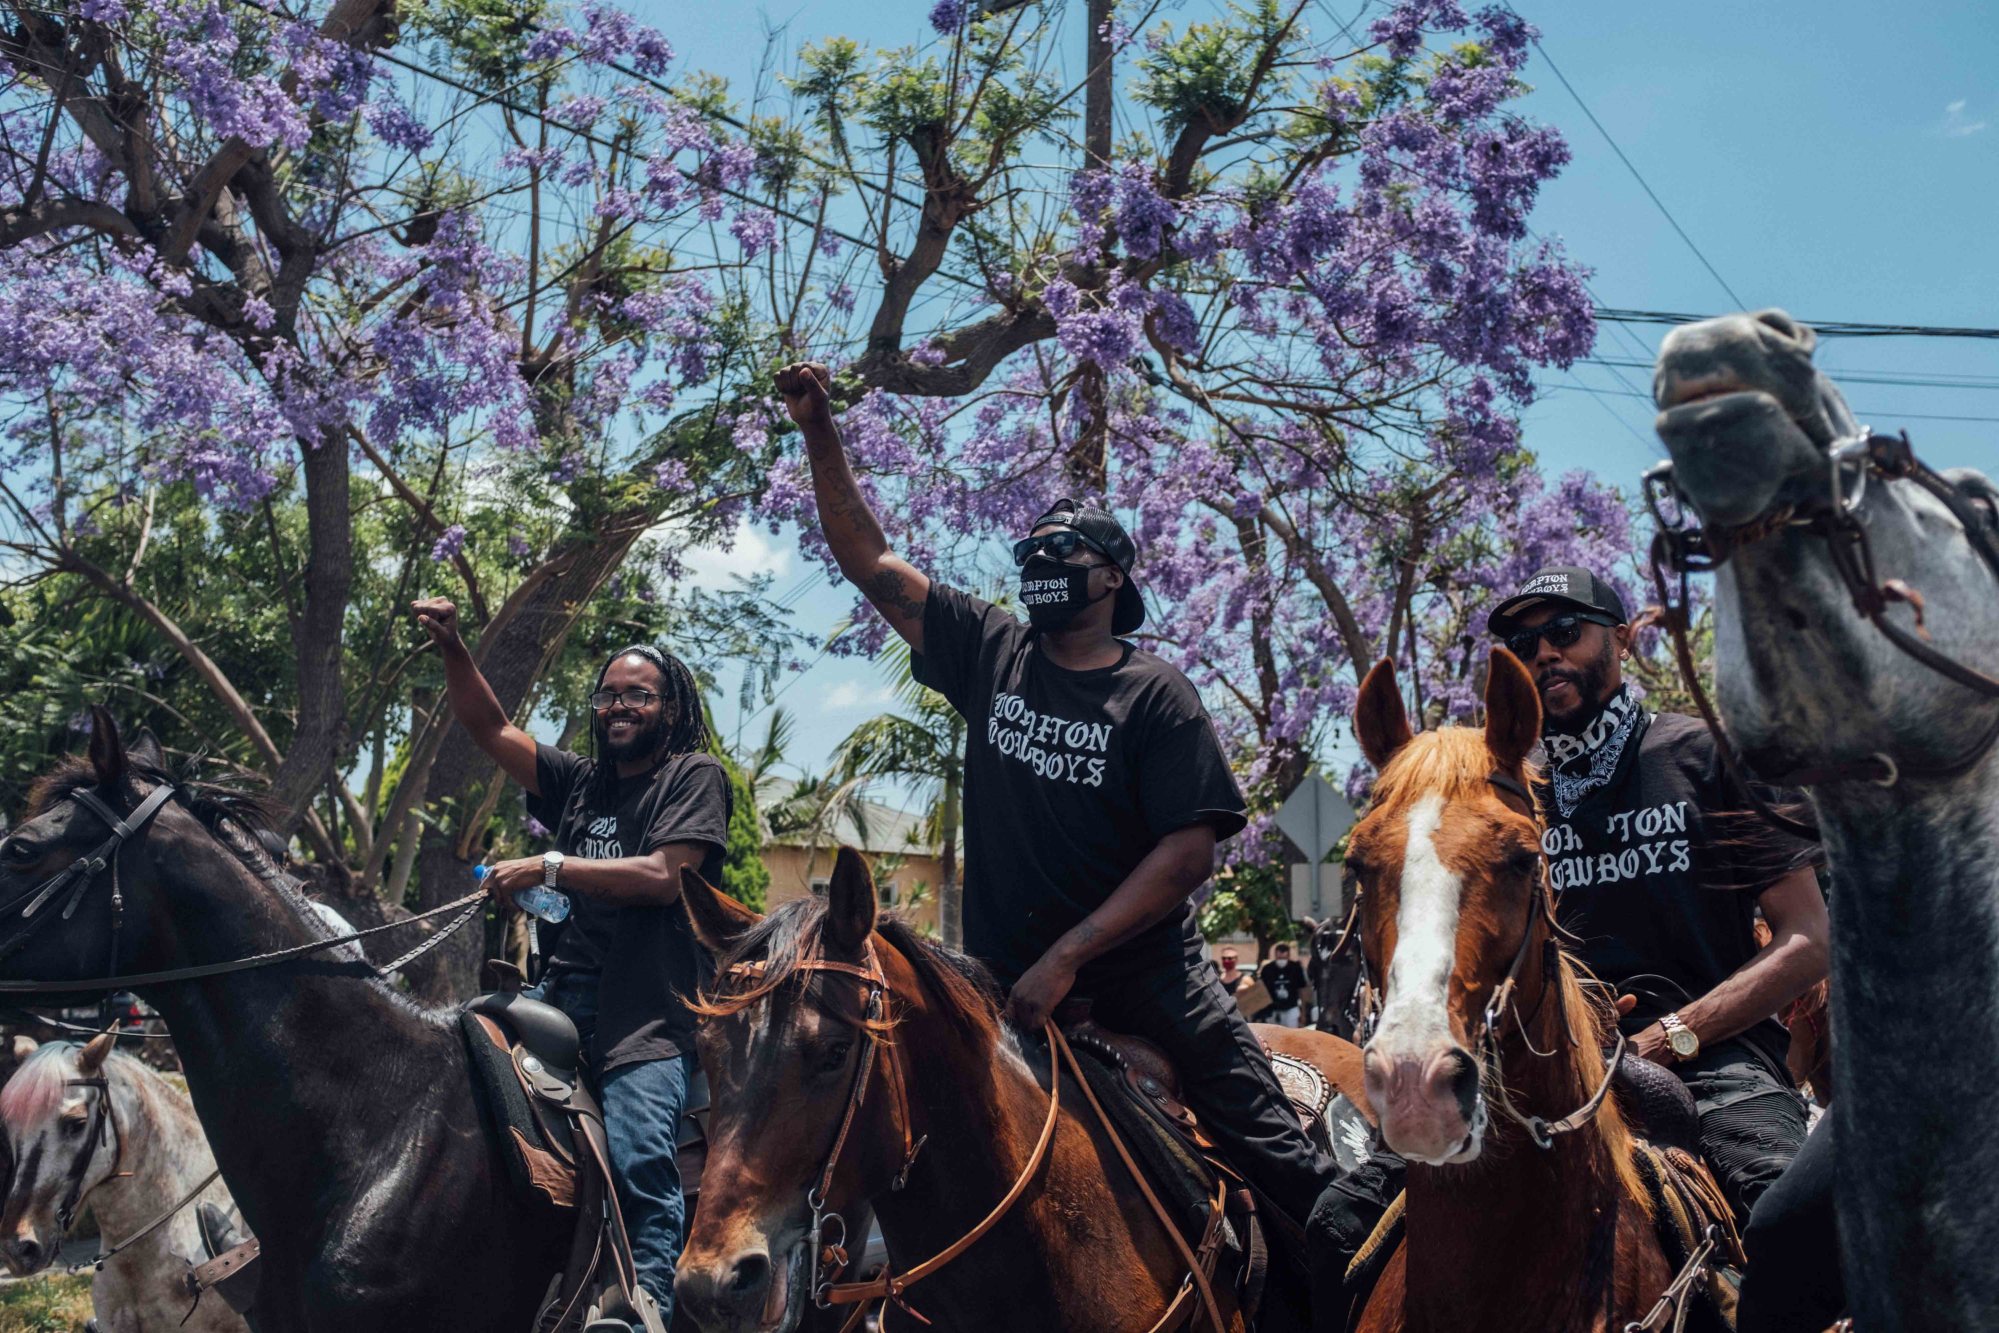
(845, 1048)
(1479, 1002)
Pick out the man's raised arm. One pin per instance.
(895, 587)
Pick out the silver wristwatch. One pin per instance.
(551, 867)
(1680, 1037)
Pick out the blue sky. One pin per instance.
(1838, 159)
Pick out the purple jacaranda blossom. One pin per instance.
(947, 16)
(449, 543)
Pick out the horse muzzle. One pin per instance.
(27, 1251)
(1428, 1104)
(750, 1291)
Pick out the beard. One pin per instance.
(640, 742)
(1591, 682)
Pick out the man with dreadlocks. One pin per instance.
(650, 803)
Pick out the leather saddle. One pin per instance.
(525, 1058)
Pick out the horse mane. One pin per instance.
(1455, 763)
(792, 934)
(38, 1088)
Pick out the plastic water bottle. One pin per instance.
(539, 900)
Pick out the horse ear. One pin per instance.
(1379, 720)
(1512, 710)
(107, 750)
(95, 1052)
(850, 900)
(147, 752)
(719, 920)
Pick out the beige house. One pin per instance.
(906, 867)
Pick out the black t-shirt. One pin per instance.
(1285, 981)
(645, 958)
(1659, 870)
(1071, 778)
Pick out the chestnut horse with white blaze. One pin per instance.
(1501, 1232)
(849, 1059)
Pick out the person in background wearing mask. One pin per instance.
(1095, 792)
(1285, 981)
(1233, 978)
(651, 803)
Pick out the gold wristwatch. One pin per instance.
(1680, 1037)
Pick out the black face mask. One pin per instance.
(1053, 592)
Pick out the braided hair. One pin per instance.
(685, 734)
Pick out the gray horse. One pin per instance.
(1804, 682)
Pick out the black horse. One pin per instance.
(1333, 964)
(343, 1117)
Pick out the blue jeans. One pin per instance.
(642, 1108)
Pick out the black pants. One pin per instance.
(1752, 1118)
(1226, 1076)
(1792, 1283)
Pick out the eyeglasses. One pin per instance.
(1061, 545)
(1560, 632)
(603, 699)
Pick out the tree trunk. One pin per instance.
(329, 576)
(951, 892)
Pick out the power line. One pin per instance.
(1650, 193)
(1857, 411)
(1826, 328)
(1901, 379)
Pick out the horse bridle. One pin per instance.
(1683, 547)
(78, 875)
(1500, 1004)
(103, 1129)
(828, 1253)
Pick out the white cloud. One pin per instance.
(857, 694)
(753, 552)
(1957, 121)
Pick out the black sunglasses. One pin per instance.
(1061, 545)
(1560, 632)
(633, 698)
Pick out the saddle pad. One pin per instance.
(534, 1164)
(1184, 1181)
(1685, 1199)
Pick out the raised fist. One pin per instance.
(438, 618)
(804, 386)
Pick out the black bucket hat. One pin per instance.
(1107, 537)
(1565, 585)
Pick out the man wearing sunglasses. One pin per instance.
(1659, 869)
(649, 802)
(1095, 792)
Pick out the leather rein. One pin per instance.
(828, 1238)
(81, 873)
(1683, 547)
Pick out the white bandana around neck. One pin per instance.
(1579, 764)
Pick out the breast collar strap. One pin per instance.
(79, 874)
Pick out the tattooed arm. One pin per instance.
(1170, 872)
(896, 588)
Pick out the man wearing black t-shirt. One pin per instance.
(1285, 981)
(1659, 868)
(1095, 792)
(625, 824)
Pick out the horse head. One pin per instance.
(64, 1135)
(804, 1111)
(1757, 435)
(1450, 876)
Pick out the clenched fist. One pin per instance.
(438, 618)
(805, 387)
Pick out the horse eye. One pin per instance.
(835, 1057)
(1524, 862)
(19, 850)
(72, 1126)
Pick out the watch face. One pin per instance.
(1684, 1042)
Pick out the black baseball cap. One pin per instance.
(1564, 585)
(1107, 537)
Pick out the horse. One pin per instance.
(1481, 1009)
(88, 1125)
(843, 1047)
(344, 1118)
(1856, 615)
(1332, 962)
